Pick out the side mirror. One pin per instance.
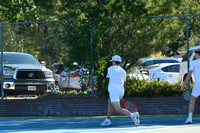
(43, 63)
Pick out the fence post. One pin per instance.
(1, 41)
(91, 50)
(188, 52)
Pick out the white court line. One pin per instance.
(96, 130)
(139, 129)
(161, 128)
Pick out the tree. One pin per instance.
(70, 41)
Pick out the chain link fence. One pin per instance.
(78, 51)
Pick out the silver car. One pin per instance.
(66, 78)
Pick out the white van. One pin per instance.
(184, 64)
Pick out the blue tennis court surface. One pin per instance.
(119, 125)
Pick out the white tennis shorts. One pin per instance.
(116, 95)
(196, 89)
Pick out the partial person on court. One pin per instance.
(116, 89)
(194, 68)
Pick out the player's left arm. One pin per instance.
(124, 91)
(124, 78)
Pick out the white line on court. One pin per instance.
(162, 128)
(96, 130)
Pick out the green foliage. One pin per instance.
(66, 94)
(142, 88)
(69, 42)
(133, 88)
(102, 85)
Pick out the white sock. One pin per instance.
(190, 115)
(107, 119)
(132, 114)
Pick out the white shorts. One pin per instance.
(196, 89)
(116, 95)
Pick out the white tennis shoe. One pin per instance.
(188, 121)
(106, 123)
(135, 117)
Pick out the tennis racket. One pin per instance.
(130, 106)
(187, 95)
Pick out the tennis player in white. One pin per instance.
(117, 78)
(194, 67)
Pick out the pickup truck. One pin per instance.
(23, 74)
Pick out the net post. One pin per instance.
(188, 55)
(91, 50)
(2, 78)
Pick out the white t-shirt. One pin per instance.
(195, 67)
(117, 76)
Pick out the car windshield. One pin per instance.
(19, 59)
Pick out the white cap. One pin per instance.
(116, 58)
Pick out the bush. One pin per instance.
(133, 87)
(142, 88)
(67, 94)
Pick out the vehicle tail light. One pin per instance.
(74, 74)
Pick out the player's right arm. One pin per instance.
(186, 79)
(191, 69)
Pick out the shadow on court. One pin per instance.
(66, 125)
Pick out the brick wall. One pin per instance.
(90, 106)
